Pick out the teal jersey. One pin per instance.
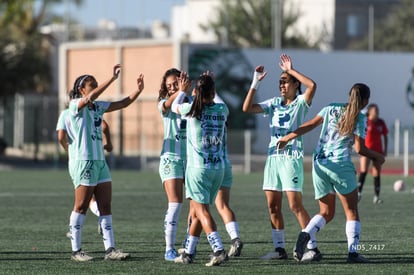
(283, 119)
(205, 136)
(84, 129)
(333, 147)
(174, 142)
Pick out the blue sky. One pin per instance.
(131, 13)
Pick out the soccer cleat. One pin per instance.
(115, 255)
(218, 258)
(184, 258)
(355, 258)
(278, 254)
(301, 242)
(235, 248)
(171, 254)
(80, 256)
(377, 200)
(313, 255)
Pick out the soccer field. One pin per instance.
(35, 206)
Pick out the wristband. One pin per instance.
(255, 82)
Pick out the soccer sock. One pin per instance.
(171, 223)
(93, 206)
(352, 229)
(76, 221)
(215, 241)
(377, 185)
(278, 236)
(314, 225)
(361, 181)
(107, 231)
(191, 244)
(232, 229)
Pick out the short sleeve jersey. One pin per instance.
(375, 130)
(283, 119)
(84, 128)
(332, 146)
(174, 142)
(205, 136)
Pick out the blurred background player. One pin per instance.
(377, 140)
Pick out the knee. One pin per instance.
(296, 207)
(328, 215)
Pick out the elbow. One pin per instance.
(313, 86)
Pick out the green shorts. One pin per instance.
(171, 168)
(202, 184)
(89, 172)
(333, 177)
(282, 173)
(228, 177)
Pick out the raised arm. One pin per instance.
(125, 102)
(248, 105)
(184, 84)
(286, 65)
(95, 93)
(301, 130)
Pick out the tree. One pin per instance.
(248, 23)
(395, 33)
(24, 51)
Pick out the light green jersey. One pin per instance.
(174, 143)
(84, 129)
(283, 119)
(205, 136)
(332, 146)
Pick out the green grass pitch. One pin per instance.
(35, 207)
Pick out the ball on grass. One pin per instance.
(399, 185)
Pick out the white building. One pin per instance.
(315, 16)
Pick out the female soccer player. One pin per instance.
(377, 140)
(173, 158)
(333, 171)
(284, 167)
(87, 166)
(222, 203)
(205, 164)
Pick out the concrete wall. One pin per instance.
(137, 128)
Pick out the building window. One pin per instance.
(354, 25)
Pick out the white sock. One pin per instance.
(191, 244)
(171, 224)
(107, 231)
(233, 230)
(353, 229)
(215, 241)
(93, 206)
(76, 221)
(314, 225)
(278, 237)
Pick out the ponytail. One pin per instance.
(357, 94)
(205, 88)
